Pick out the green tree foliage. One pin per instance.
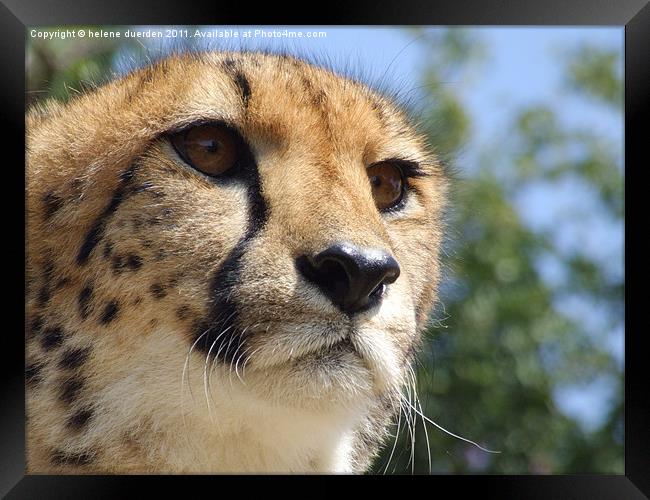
(501, 346)
(58, 68)
(594, 71)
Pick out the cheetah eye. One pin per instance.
(209, 148)
(387, 181)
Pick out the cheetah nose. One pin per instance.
(353, 278)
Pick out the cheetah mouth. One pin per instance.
(291, 349)
(337, 345)
(342, 346)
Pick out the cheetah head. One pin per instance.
(222, 249)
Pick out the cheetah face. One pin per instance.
(242, 220)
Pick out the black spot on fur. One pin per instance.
(316, 96)
(44, 293)
(37, 325)
(229, 63)
(84, 301)
(96, 231)
(319, 98)
(52, 337)
(137, 222)
(134, 261)
(239, 78)
(52, 203)
(74, 358)
(145, 186)
(108, 249)
(158, 291)
(76, 185)
(79, 419)
(183, 312)
(29, 285)
(66, 458)
(61, 283)
(33, 373)
(70, 390)
(244, 87)
(48, 269)
(34, 328)
(44, 296)
(128, 174)
(117, 263)
(110, 312)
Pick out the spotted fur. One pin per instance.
(168, 328)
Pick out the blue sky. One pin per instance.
(523, 67)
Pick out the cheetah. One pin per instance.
(230, 261)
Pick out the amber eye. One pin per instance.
(387, 184)
(211, 148)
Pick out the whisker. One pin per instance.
(232, 359)
(385, 73)
(409, 420)
(392, 451)
(244, 352)
(407, 428)
(413, 429)
(186, 367)
(216, 357)
(455, 435)
(206, 379)
(206, 376)
(417, 400)
(218, 319)
(247, 360)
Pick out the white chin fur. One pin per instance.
(296, 418)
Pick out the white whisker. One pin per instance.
(232, 360)
(244, 352)
(186, 367)
(206, 376)
(392, 451)
(413, 427)
(424, 426)
(454, 435)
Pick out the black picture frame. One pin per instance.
(16, 15)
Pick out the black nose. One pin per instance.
(353, 278)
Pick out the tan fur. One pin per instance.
(141, 402)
